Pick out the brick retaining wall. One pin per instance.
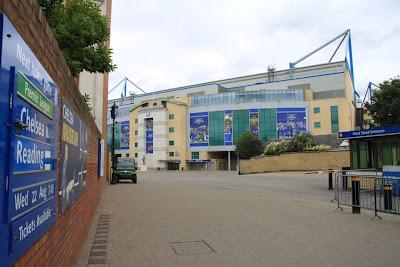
(306, 161)
(61, 244)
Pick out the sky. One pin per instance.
(164, 44)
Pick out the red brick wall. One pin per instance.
(60, 246)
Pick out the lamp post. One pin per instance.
(113, 116)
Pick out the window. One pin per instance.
(171, 116)
(136, 120)
(136, 155)
(195, 155)
(317, 110)
(170, 154)
(334, 119)
(136, 132)
(171, 129)
(171, 142)
(136, 145)
(155, 104)
(317, 124)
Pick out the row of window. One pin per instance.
(170, 117)
(334, 118)
(248, 97)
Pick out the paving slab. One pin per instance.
(221, 219)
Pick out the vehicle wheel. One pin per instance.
(134, 180)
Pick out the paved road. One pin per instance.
(220, 219)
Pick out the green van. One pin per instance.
(126, 169)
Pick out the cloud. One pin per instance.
(164, 44)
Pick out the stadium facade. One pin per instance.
(195, 127)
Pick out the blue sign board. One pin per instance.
(392, 172)
(30, 144)
(290, 121)
(199, 129)
(393, 130)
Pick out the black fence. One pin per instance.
(367, 190)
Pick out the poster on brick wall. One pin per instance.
(74, 157)
(199, 129)
(290, 121)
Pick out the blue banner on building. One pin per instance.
(254, 121)
(199, 129)
(290, 121)
(124, 137)
(30, 202)
(74, 156)
(228, 127)
(149, 136)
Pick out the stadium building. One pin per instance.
(195, 126)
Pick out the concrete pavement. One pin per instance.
(220, 219)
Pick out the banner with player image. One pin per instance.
(124, 137)
(149, 136)
(73, 157)
(228, 127)
(290, 121)
(199, 129)
(254, 121)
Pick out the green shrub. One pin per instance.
(321, 147)
(299, 142)
(248, 145)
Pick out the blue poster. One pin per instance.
(124, 136)
(228, 127)
(290, 121)
(199, 129)
(74, 157)
(31, 96)
(254, 121)
(149, 136)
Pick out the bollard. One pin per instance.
(330, 182)
(355, 194)
(387, 195)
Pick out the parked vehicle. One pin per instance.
(126, 169)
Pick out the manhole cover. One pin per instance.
(191, 248)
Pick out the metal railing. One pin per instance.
(367, 190)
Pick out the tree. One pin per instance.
(248, 145)
(385, 103)
(80, 30)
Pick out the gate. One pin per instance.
(367, 190)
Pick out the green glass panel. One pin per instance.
(334, 119)
(195, 155)
(317, 110)
(267, 125)
(317, 124)
(171, 142)
(354, 158)
(363, 152)
(387, 153)
(216, 128)
(240, 122)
